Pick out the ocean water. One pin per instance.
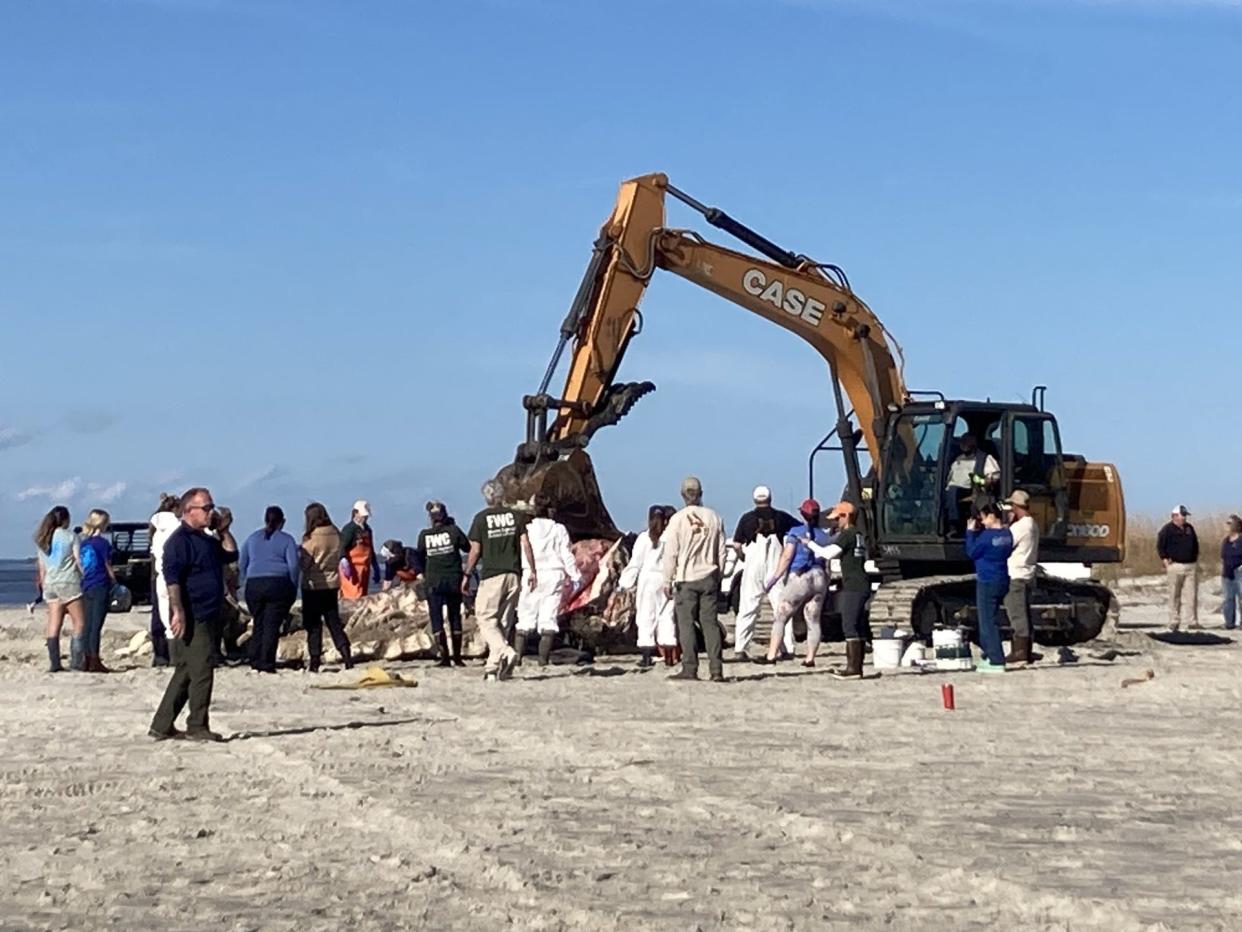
(17, 581)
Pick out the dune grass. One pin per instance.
(1141, 558)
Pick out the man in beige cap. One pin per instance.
(1021, 566)
(1178, 548)
(694, 552)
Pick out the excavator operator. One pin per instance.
(973, 478)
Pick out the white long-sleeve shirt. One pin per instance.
(646, 558)
(164, 523)
(549, 542)
(1025, 552)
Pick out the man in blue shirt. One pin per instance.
(193, 569)
(804, 584)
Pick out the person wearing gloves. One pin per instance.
(546, 583)
(805, 584)
(758, 539)
(270, 567)
(166, 519)
(851, 549)
(359, 563)
(438, 552)
(645, 575)
(989, 544)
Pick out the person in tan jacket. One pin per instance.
(694, 552)
(319, 557)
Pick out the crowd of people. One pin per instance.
(525, 570)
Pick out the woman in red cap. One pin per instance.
(805, 584)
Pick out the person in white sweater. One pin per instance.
(653, 608)
(1021, 567)
(554, 575)
(165, 520)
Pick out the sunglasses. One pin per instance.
(209, 507)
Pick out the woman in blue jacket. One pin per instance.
(988, 544)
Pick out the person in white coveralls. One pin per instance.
(645, 576)
(555, 571)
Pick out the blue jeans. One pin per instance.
(95, 602)
(988, 597)
(1231, 589)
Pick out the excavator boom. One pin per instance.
(809, 299)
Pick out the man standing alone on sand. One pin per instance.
(693, 561)
(1178, 547)
(498, 538)
(1021, 575)
(193, 570)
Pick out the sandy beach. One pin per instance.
(605, 798)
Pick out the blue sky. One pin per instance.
(302, 249)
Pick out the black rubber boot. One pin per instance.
(347, 656)
(853, 660)
(545, 648)
(53, 655)
(644, 661)
(1021, 652)
(518, 640)
(313, 665)
(457, 661)
(444, 660)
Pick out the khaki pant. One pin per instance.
(494, 608)
(1183, 577)
(1018, 607)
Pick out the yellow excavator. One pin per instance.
(909, 438)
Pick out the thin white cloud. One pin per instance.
(63, 491)
(107, 494)
(11, 437)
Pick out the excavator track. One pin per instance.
(1063, 611)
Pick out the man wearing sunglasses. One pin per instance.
(193, 569)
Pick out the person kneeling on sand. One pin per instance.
(550, 577)
(194, 564)
(988, 544)
(805, 584)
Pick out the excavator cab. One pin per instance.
(920, 514)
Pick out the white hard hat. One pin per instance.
(362, 507)
(762, 494)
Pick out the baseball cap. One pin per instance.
(1020, 497)
(762, 494)
(691, 485)
(841, 509)
(810, 507)
(1180, 510)
(363, 507)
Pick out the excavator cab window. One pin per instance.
(911, 496)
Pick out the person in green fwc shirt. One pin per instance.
(498, 537)
(439, 551)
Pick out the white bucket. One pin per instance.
(886, 653)
(946, 638)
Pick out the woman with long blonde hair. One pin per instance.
(61, 567)
(98, 579)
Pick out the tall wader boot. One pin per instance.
(457, 661)
(53, 655)
(77, 653)
(518, 640)
(545, 648)
(853, 660)
(444, 660)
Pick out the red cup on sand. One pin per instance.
(946, 696)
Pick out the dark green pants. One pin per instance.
(694, 603)
(193, 656)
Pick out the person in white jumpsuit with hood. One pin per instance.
(556, 574)
(760, 539)
(653, 608)
(163, 523)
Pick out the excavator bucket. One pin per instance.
(571, 485)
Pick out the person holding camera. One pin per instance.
(989, 544)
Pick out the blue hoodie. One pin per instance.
(990, 549)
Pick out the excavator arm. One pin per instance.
(811, 300)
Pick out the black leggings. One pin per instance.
(269, 599)
(442, 597)
(852, 605)
(320, 607)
